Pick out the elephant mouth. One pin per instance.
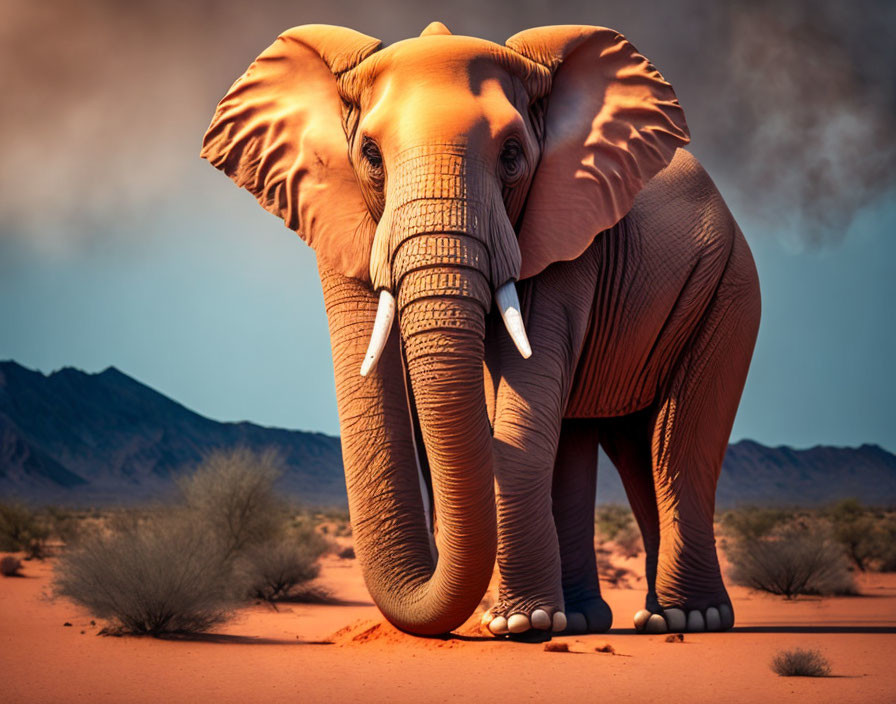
(506, 299)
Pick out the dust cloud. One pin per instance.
(791, 104)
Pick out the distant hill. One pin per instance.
(754, 474)
(106, 438)
(93, 439)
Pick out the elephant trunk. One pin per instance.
(442, 324)
(442, 296)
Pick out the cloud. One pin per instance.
(800, 115)
(791, 105)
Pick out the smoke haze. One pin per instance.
(791, 105)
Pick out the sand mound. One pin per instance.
(368, 632)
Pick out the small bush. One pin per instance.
(610, 520)
(629, 541)
(751, 523)
(63, 524)
(162, 575)
(793, 559)
(156, 571)
(232, 492)
(888, 556)
(10, 566)
(22, 528)
(272, 570)
(864, 536)
(801, 663)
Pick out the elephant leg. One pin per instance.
(690, 436)
(530, 398)
(627, 441)
(572, 494)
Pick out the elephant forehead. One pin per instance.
(467, 61)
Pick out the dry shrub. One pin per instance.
(629, 542)
(232, 493)
(63, 524)
(164, 575)
(888, 557)
(867, 536)
(801, 663)
(10, 566)
(23, 529)
(792, 559)
(752, 523)
(610, 520)
(183, 570)
(272, 570)
(614, 523)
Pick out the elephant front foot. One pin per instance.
(524, 624)
(588, 616)
(713, 618)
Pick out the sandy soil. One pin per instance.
(344, 653)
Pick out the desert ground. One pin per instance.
(343, 651)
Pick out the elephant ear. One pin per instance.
(611, 122)
(279, 134)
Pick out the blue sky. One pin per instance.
(119, 246)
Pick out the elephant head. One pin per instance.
(430, 176)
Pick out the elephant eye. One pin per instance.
(512, 161)
(371, 154)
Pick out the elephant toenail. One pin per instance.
(641, 619)
(541, 620)
(675, 619)
(559, 621)
(498, 626)
(713, 620)
(696, 622)
(656, 624)
(726, 615)
(518, 623)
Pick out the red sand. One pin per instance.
(271, 656)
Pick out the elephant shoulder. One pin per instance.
(683, 200)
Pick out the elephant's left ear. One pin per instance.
(611, 123)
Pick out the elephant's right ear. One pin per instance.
(278, 133)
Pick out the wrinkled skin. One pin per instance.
(439, 170)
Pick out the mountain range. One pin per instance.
(97, 439)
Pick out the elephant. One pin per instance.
(443, 173)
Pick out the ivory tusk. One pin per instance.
(509, 305)
(382, 325)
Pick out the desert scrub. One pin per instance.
(791, 559)
(10, 566)
(23, 529)
(617, 523)
(800, 663)
(161, 575)
(753, 522)
(866, 535)
(272, 570)
(184, 569)
(232, 493)
(610, 519)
